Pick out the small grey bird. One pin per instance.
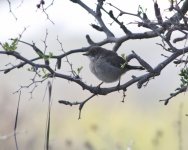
(106, 65)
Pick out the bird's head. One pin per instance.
(94, 51)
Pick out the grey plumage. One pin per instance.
(106, 65)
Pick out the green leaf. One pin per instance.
(45, 57)
(10, 47)
(32, 69)
(79, 69)
(123, 65)
(184, 77)
(123, 56)
(50, 54)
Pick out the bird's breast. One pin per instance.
(104, 71)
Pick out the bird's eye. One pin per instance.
(93, 53)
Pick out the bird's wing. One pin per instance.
(117, 62)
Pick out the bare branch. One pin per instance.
(97, 15)
(158, 13)
(179, 91)
(81, 104)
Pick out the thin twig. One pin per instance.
(10, 10)
(179, 91)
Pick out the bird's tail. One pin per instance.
(129, 67)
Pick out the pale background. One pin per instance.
(141, 122)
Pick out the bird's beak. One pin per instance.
(86, 54)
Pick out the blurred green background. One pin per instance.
(140, 123)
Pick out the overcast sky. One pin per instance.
(65, 14)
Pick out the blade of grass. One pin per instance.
(16, 120)
(47, 135)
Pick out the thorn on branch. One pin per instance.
(65, 102)
(180, 61)
(96, 27)
(179, 39)
(7, 71)
(142, 81)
